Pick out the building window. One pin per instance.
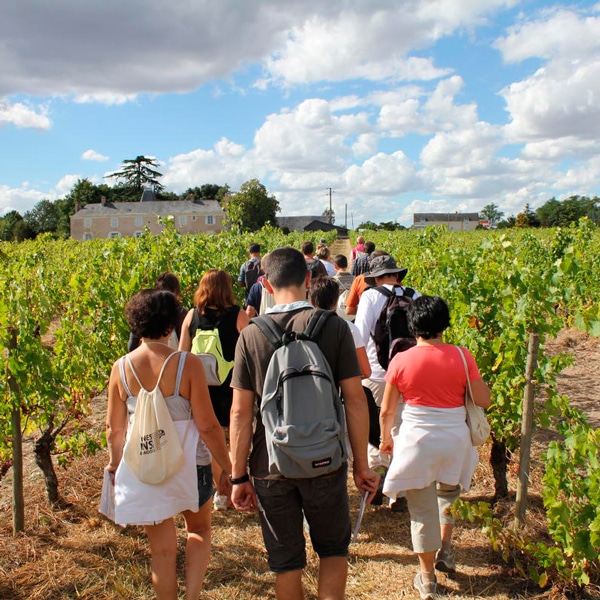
(114, 221)
(114, 234)
(137, 233)
(139, 221)
(87, 236)
(209, 220)
(182, 220)
(87, 222)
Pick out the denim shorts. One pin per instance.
(205, 484)
(284, 503)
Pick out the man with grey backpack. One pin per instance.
(292, 463)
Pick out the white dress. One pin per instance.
(138, 503)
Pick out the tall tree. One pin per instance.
(329, 215)
(138, 173)
(561, 214)
(207, 191)
(8, 222)
(491, 213)
(251, 208)
(527, 218)
(43, 217)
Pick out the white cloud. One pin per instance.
(562, 98)
(19, 199)
(557, 148)
(382, 175)
(372, 40)
(23, 116)
(581, 178)
(65, 185)
(309, 137)
(467, 149)
(93, 155)
(427, 113)
(107, 98)
(561, 34)
(147, 49)
(227, 163)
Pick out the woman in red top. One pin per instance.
(433, 458)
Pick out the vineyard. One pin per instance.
(62, 326)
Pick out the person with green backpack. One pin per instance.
(211, 330)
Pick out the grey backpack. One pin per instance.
(301, 410)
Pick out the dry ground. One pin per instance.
(75, 553)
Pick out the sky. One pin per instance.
(386, 107)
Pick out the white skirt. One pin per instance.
(138, 503)
(432, 444)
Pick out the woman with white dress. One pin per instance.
(152, 314)
(433, 458)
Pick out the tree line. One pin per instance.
(249, 209)
(553, 213)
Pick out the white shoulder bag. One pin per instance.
(476, 419)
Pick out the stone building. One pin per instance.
(117, 219)
(454, 221)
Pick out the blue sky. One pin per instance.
(399, 106)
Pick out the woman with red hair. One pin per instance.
(215, 307)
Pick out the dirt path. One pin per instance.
(341, 246)
(580, 382)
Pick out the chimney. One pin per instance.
(103, 200)
(77, 206)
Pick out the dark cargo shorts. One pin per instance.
(283, 505)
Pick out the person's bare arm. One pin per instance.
(363, 362)
(116, 420)
(389, 405)
(204, 414)
(240, 439)
(481, 393)
(185, 342)
(243, 319)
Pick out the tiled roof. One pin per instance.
(156, 207)
(418, 217)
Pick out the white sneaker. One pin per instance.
(427, 589)
(220, 501)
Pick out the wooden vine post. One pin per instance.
(18, 500)
(526, 429)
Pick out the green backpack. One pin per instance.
(206, 344)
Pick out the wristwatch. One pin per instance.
(237, 480)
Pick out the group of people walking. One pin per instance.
(424, 452)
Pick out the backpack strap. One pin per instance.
(180, 367)
(383, 290)
(195, 324)
(123, 376)
(316, 323)
(162, 370)
(270, 330)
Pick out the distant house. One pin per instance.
(117, 219)
(454, 221)
(309, 223)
